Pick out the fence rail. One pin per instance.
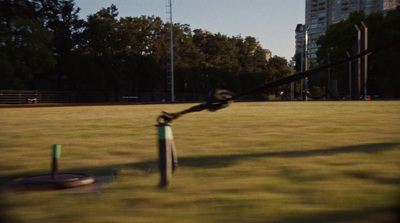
(31, 97)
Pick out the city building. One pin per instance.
(322, 13)
(300, 37)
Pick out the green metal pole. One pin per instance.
(168, 160)
(56, 155)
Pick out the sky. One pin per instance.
(271, 22)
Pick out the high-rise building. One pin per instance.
(300, 37)
(322, 13)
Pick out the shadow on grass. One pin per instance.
(223, 161)
(378, 214)
(151, 166)
(373, 178)
(372, 214)
(212, 162)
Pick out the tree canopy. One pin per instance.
(44, 45)
(383, 67)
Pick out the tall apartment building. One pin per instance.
(322, 13)
(300, 37)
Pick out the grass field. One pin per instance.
(251, 162)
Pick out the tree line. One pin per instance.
(44, 45)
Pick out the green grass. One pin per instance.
(251, 162)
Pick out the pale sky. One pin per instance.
(271, 22)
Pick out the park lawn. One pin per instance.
(251, 162)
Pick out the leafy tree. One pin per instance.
(137, 34)
(60, 18)
(219, 51)
(383, 78)
(220, 63)
(278, 68)
(253, 63)
(44, 45)
(187, 60)
(102, 48)
(383, 73)
(252, 57)
(141, 66)
(25, 45)
(101, 36)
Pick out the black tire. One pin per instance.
(46, 182)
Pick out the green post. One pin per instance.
(56, 156)
(168, 160)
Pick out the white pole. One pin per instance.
(365, 60)
(348, 55)
(292, 84)
(306, 63)
(329, 77)
(172, 52)
(359, 60)
(302, 80)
